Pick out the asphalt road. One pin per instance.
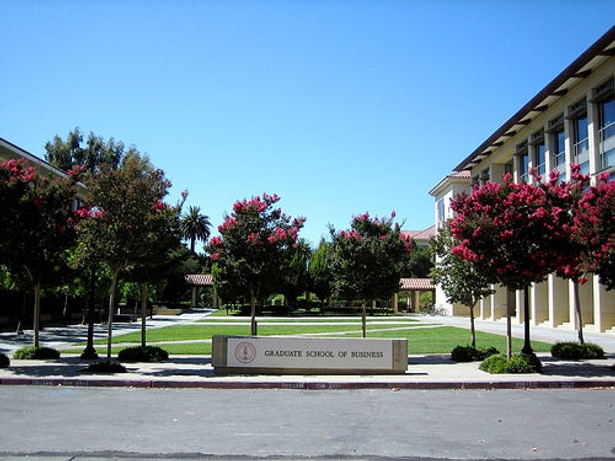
(59, 423)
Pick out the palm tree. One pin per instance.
(195, 226)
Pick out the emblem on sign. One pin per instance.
(245, 352)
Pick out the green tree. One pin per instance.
(419, 263)
(367, 260)
(195, 226)
(123, 214)
(159, 258)
(459, 279)
(250, 250)
(321, 276)
(295, 276)
(65, 154)
(36, 227)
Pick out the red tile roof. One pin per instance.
(426, 234)
(416, 284)
(199, 280)
(461, 174)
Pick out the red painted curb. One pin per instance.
(300, 385)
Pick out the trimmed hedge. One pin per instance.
(518, 363)
(36, 353)
(472, 354)
(5, 362)
(577, 351)
(106, 367)
(143, 354)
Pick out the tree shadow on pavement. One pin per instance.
(431, 359)
(586, 369)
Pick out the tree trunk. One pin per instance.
(472, 330)
(363, 319)
(527, 345)
(65, 308)
(508, 332)
(143, 313)
(110, 318)
(90, 351)
(577, 309)
(37, 313)
(253, 326)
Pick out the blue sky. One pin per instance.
(338, 106)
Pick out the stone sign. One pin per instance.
(275, 355)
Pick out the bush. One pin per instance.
(592, 351)
(4, 361)
(143, 354)
(576, 351)
(36, 353)
(518, 363)
(472, 354)
(106, 367)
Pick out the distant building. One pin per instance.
(571, 120)
(421, 237)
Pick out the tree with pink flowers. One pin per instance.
(563, 198)
(595, 227)
(368, 258)
(513, 234)
(250, 249)
(36, 226)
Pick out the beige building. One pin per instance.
(571, 120)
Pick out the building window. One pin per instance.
(580, 141)
(603, 96)
(539, 161)
(557, 146)
(524, 161)
(441, 212)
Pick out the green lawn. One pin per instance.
(208, 330)
(422, 338)
(444, 339)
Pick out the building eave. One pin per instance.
(594, 56)
(19, 152)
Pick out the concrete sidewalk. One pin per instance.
(424, 371)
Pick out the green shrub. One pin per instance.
(567, 350)
(472, 354)
(143, 354)
(518, 363)
(4, 361)
(36, 353)
(576, 351)
(106, 367)
(592, 351)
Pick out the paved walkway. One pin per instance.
(424, 371)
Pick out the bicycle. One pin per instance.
(434, 310)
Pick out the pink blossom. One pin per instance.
(216, 241)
